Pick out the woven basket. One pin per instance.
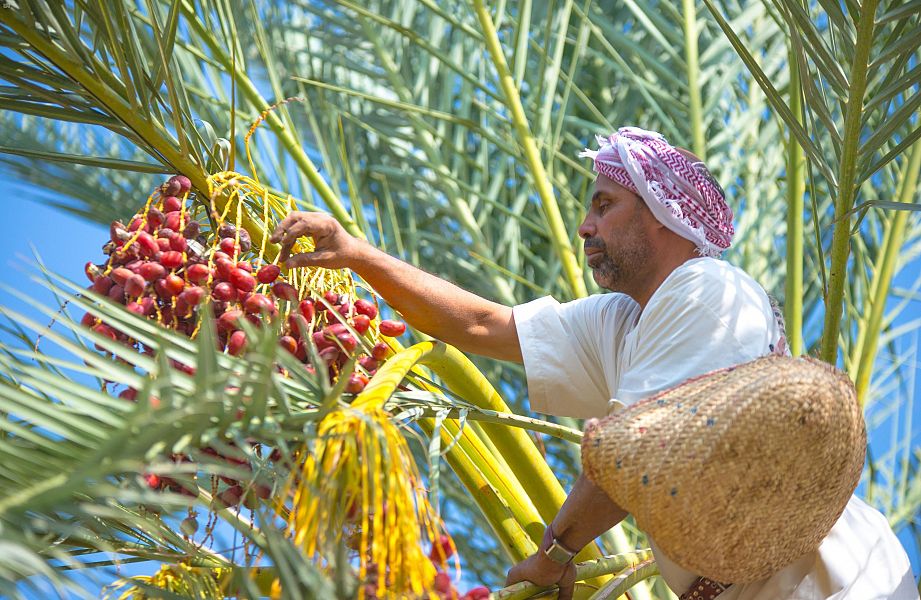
(739, 472)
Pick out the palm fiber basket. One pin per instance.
(737, 473)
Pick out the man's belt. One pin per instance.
(704, 589)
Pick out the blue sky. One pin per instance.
(66, 243)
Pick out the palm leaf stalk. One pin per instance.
(692, 58)
(626, 579)
(427, 142)
(426, 139)
(866, 113)
(795, 190)
(865, 350)
(107, 96)
(462, 378)
(512, 537)
(559, 236)
(847, 180)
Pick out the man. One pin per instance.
(656, 222)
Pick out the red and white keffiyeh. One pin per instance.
(681, 194)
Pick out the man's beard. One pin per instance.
(616, 269)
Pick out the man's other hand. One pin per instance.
(334, 246)
(540, 570)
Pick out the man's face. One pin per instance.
(615, 236)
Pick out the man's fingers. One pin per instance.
(287, 244)
(296, 230)
(307, 259)
(285, 252)
(567, 583)
(510, 577)
(298, 224)
(566, 592)
(283, 227)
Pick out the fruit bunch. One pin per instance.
(443, 588)
(170, 267)
(441, 551)
(233, 492)
(177, 264)
(162, 266)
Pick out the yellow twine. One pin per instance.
(360, 456)
(180, 579)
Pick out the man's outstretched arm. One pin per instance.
(430, 304)
(587, 513)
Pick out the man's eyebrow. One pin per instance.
(598, 195)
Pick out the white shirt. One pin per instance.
(581, 356)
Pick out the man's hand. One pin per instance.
(587, 513)
(431, 305)
(334, 245)
(540, 570)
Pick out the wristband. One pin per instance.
(557, 552)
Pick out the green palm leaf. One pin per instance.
(403, 132)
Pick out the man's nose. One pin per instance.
(587, 228)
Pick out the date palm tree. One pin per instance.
(445, 133)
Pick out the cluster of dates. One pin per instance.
(160, 266)
(443, 584)
(229, 492)
(441, 551)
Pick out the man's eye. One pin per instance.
(603, 206)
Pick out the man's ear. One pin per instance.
(650, 221)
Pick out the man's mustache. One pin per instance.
(592, 243)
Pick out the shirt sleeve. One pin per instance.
(561, 359)
(691, 330)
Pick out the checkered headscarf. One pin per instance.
(681, 194)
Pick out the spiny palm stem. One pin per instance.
(847, 187)
(893, 238)
(796, 188)
(692, 59)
